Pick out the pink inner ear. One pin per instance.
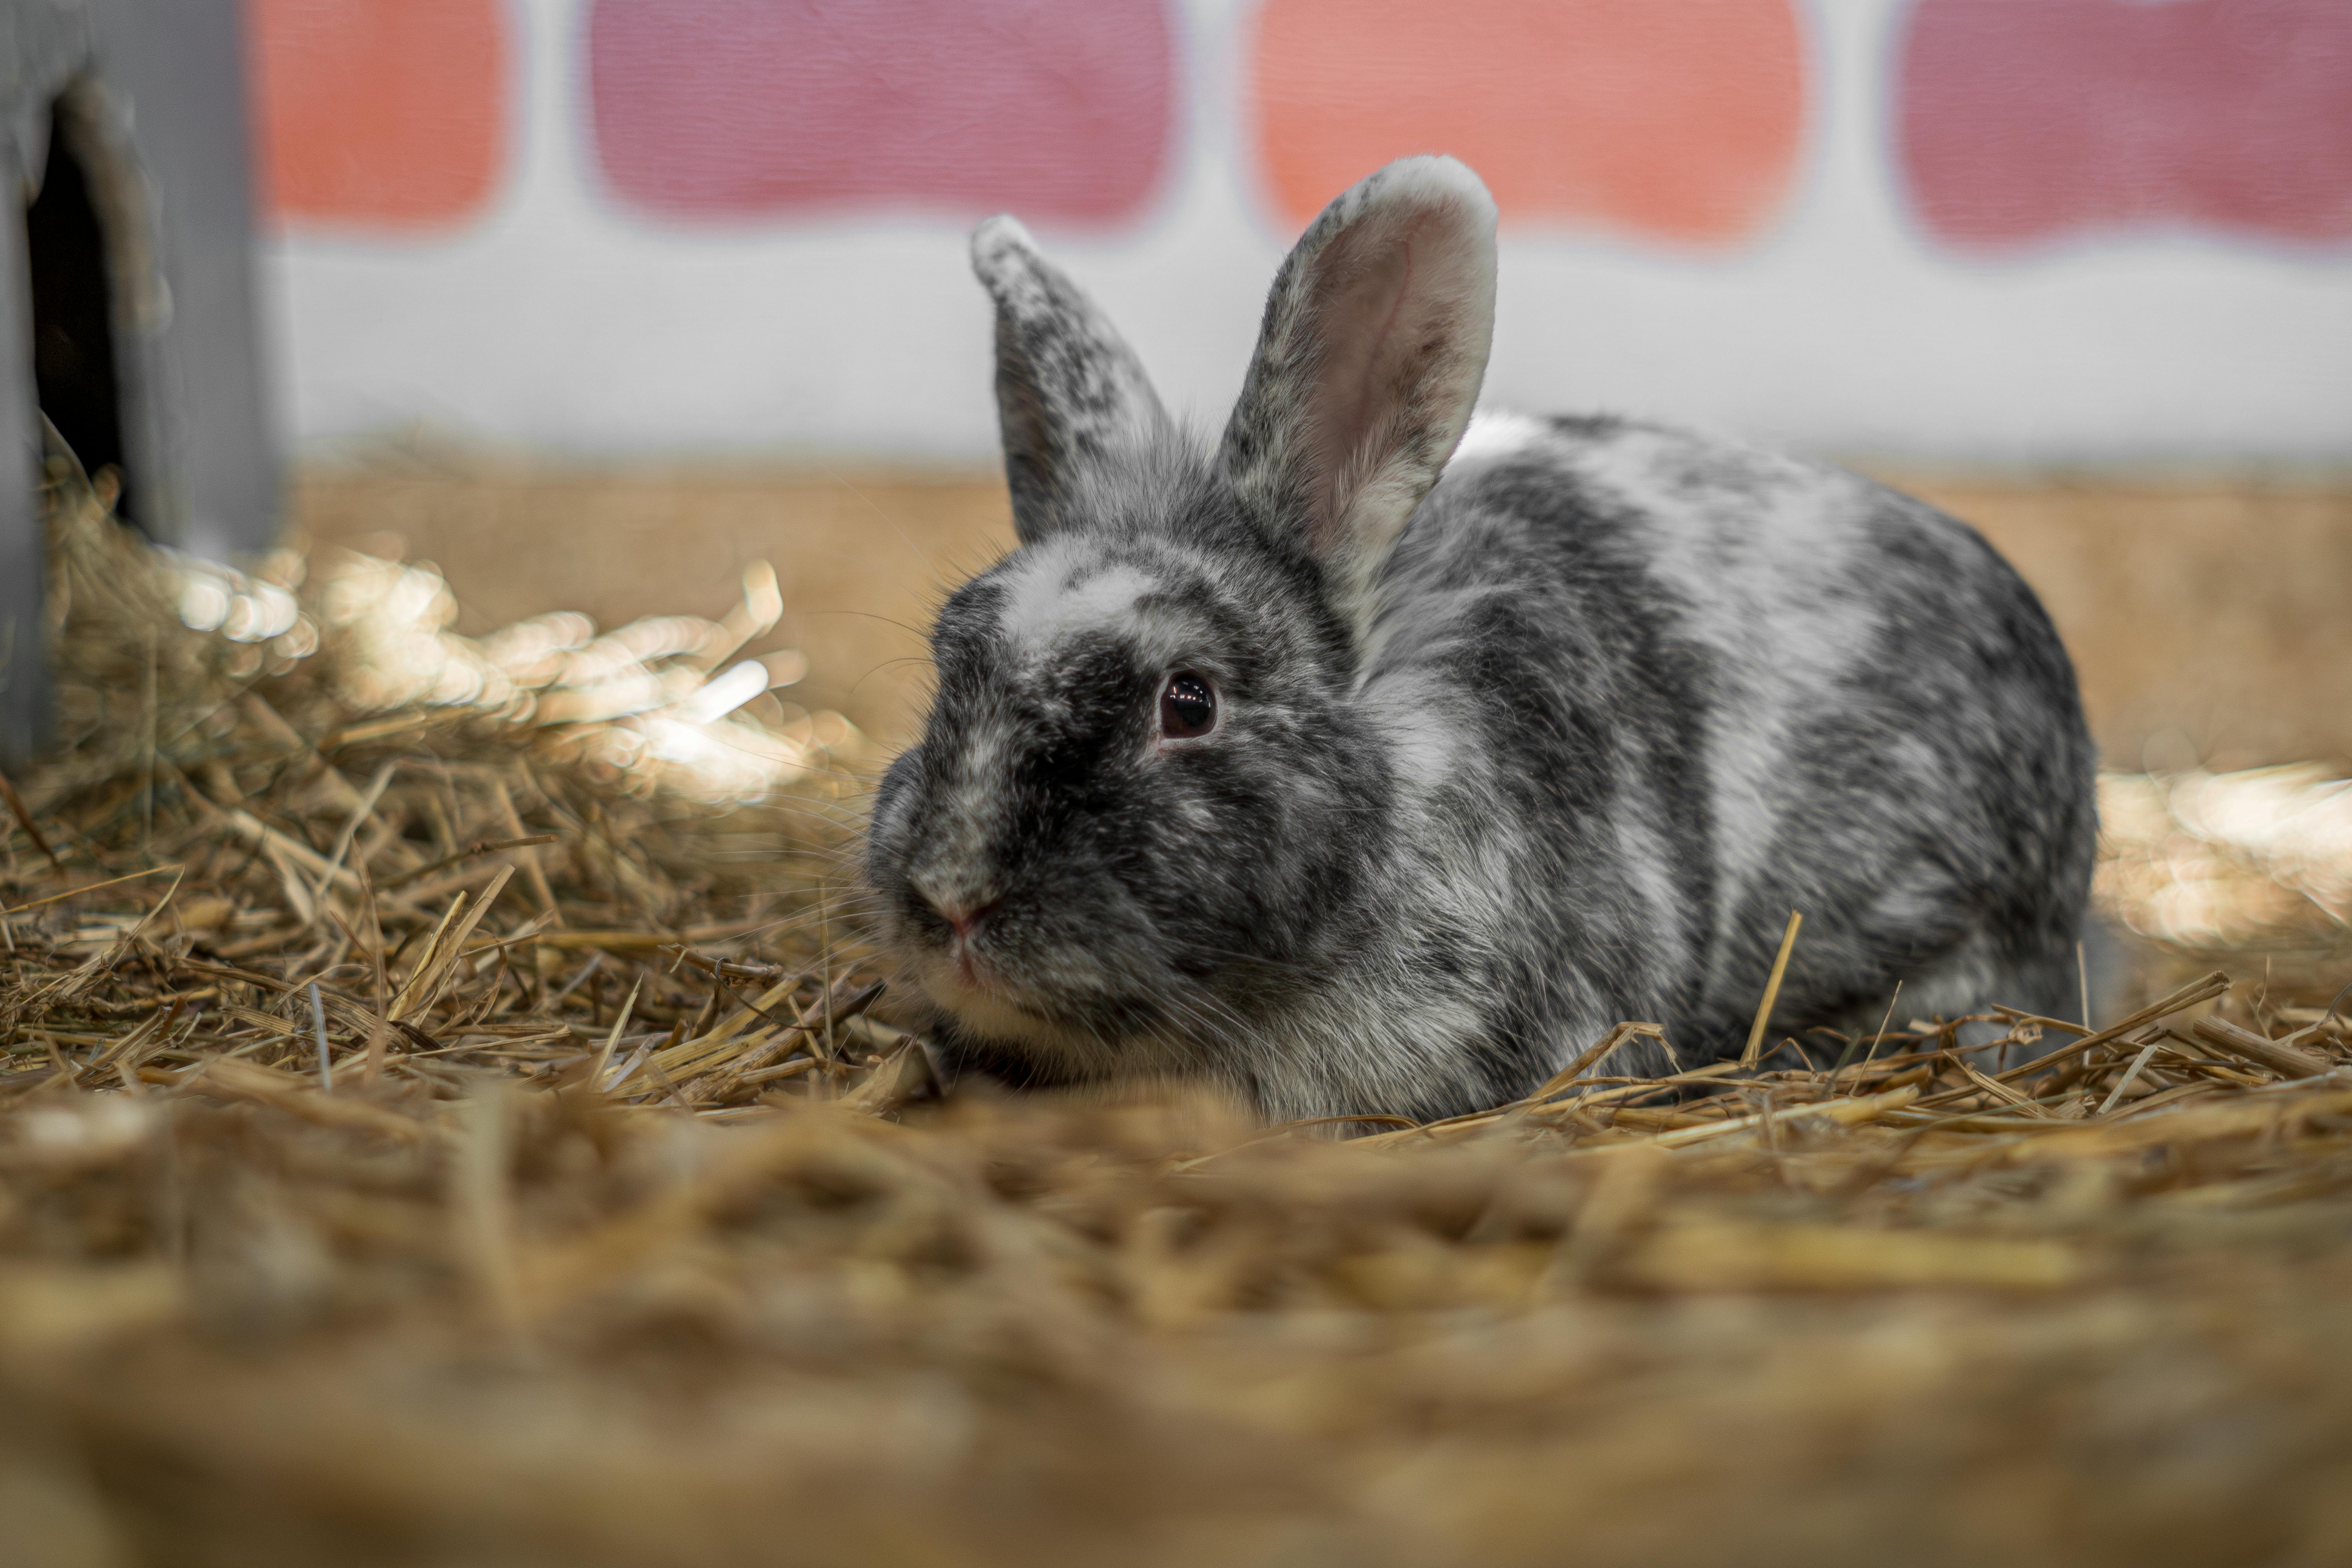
(1364, 284)
(1391, 292)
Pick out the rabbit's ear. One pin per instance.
(1069, 391)
(1368, 366)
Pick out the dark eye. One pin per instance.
(1188, 707)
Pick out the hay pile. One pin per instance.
(442, 1123)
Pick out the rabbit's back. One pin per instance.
(1671, 688)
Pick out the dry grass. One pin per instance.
(588, 1214)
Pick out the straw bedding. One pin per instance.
(445, 1119)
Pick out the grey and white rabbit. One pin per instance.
(1295, 767)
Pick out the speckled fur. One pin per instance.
(1563, 750)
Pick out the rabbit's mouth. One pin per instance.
(986, 1004)
(966, 984)
(990, 1008)
(964, 979)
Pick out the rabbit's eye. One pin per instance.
(1188, 707)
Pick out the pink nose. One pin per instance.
(963, 917)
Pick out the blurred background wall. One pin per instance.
(2012, 230)
(1972, 243)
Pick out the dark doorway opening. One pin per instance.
(74, 365)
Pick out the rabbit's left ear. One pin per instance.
(1069, 391)
(1368, 366)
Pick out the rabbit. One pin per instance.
(1379, 759)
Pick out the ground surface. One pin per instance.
(444, 1137)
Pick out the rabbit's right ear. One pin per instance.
(1069, 391)
(1368, 365)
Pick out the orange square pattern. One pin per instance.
(381, 114)
(1677, 119)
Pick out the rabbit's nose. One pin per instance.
(963, 917)
(962, 908)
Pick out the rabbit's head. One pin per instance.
(1145, 812)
